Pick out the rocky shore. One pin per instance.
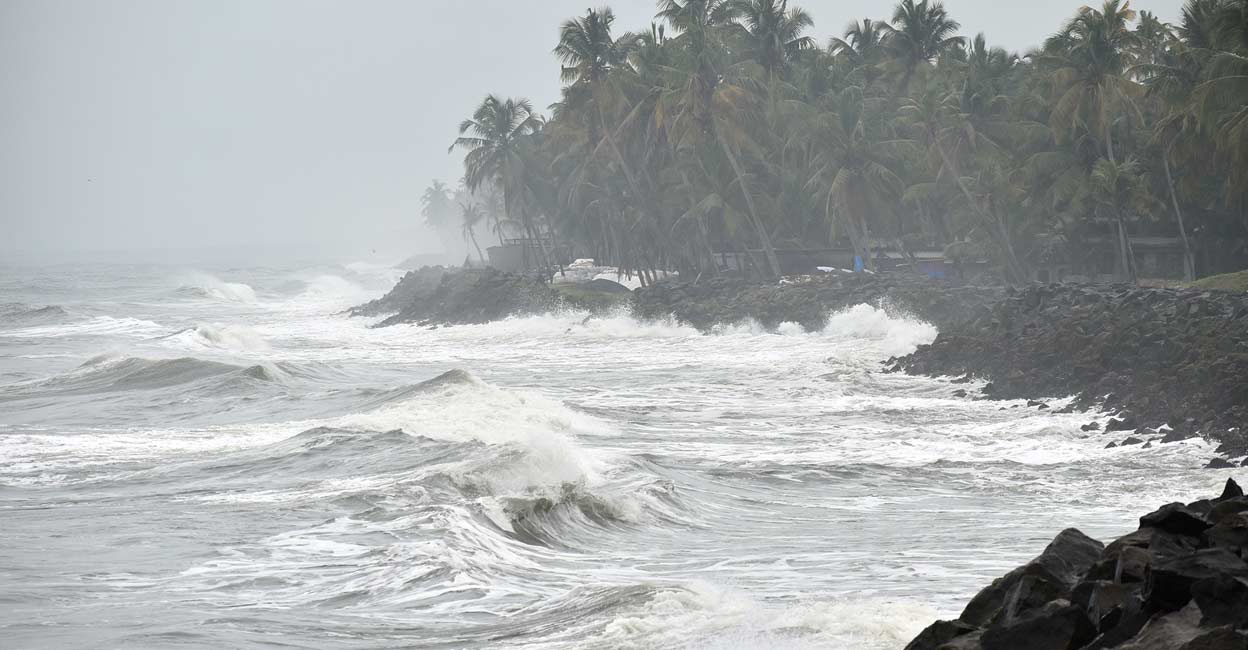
(1171, 364)
(435, 295)
(1179, 582)
(809, 300)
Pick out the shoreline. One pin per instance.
(1165, 364)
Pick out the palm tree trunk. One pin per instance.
(1125, 267)
(1189, 263)
(473, 236)
(1015, 271)
(764, 239)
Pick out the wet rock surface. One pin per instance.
(809, 300)
(1171, 584)
(1159, 357)
(449, 296)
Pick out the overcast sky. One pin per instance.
(293, 124)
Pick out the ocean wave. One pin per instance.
(110, 373)
(205, 286)
(238, 338)
(17, 314)
(97, 326)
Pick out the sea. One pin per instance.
(219, 457)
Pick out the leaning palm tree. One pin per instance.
(920, 32)
(707, 107)
(471, 215)
(496, 138)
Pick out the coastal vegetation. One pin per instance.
(731, 125)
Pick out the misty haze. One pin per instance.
(704, 324)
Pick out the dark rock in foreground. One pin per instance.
(1161, 356)
(1179, 582)
(809, 300)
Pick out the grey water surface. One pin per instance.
(218, 458)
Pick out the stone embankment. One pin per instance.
(809, 300)
(1179, 582)
(447, 296)
(1171, 364)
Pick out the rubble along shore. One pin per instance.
(1179, 582)
(1170, 363)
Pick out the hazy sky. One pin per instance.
(302, 124)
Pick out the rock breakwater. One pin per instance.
(1178, 582)
(809, 300)
(1172, 363)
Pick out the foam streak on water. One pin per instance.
(217, 458)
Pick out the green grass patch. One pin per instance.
(1225, 282)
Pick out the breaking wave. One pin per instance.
(202, 285)
(238, 338)
(108, 373)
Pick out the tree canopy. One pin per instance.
(726, 126)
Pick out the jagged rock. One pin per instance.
(1050, 576)
(1223, 600)
(1170, 581)
(938, 634)
(1224, 507)
(1230, 532)
(1175, 518)
(1091, 426)
(1131, 440)
(1056, 626)
(1222, 638)
(1120, 424)
(1220, 463)
(1175, 582)
(1167, 632)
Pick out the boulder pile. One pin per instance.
(808, 300)
(1172, 363)
(1179, 582)
(442, 296)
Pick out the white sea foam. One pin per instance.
(469, 410)
(97, 326)
(705, 616)
(210, 286)
(236, 338)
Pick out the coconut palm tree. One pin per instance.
(498, 141)
(471, 215)
(860, 41)
(1089, 60)
(853, 171)
(920, 32)
(773, 31)
(1118, 191)
(435, 204)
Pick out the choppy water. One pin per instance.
(215, 459)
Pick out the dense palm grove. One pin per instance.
(727, 126)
